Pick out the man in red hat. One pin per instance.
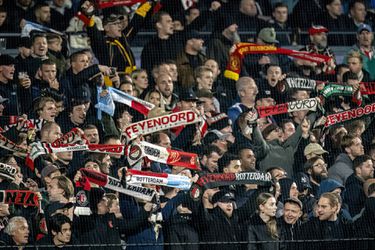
(318, 44)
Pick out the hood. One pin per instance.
(285, 185)
(328, 185)
(344, 158)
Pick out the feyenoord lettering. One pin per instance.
(19, 197)
(7, 171)
(253, 176)
(160, 123)
(307, 104)
(350, 114)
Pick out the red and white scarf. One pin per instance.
(350, 115)
(307, 104)
(160, 123)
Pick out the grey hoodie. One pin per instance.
(342, 168)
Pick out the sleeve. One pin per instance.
(109, 126)
(98, 43)
(134, 224)
(137, 21)
(260, 145)
(251, 236)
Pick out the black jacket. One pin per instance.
(325, 230)
(288, 232)
(257, 231)
(354, 195)
(106, 229)
(219, 228)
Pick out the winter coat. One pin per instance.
(186, 69)
(288, 232)
(219, 228)
(257, 231)
(354, 195)
(342, 168)
(325, 230)
(276, 154)
(106, 229)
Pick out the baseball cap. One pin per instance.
(303, 182)
(25, 42)
(110, 15)
(49, 169)
(2, 99)
(314, 148)
(223, 196)
(363, 27)
(268, 35)
(7, 60)
(315, 29)
(267, 130)
(293, 200)
(214, 135)
(188, 95)
(193, 34)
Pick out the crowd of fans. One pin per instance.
(323, 185)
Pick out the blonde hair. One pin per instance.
(271, 224)
(355, 54)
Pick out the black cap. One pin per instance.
(110, 15)
(214, 135)
(223, 22)
(223, 196)
(7, 60)
(303, 182)
(193, 34)
(269, 129)
(188, 95)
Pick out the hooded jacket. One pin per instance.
(354, 195)
(342, 168)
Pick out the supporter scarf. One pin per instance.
(66, 143)
(114, 95)
(30, 26)
(234, 65)
(218, 180)
(160, 123)
(349, 115)
(8, 122)
(163, 155)
(301, 83)
(367, 88)
(159, 179)
(114, 184)
(19, 197)
(109, 4)
(41, 148)
(11, 146)
(7, 171)
(332, 90)
(307, 104)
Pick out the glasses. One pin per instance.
(320, 165)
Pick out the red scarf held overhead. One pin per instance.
(19, 197)
(236, 57)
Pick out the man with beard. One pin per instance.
(354, 194)
(316, 168)
(164, 85)
(223, 38)
(42, 14)
(351, 147)
(7, 88)
(318, 44)
(190, 58)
